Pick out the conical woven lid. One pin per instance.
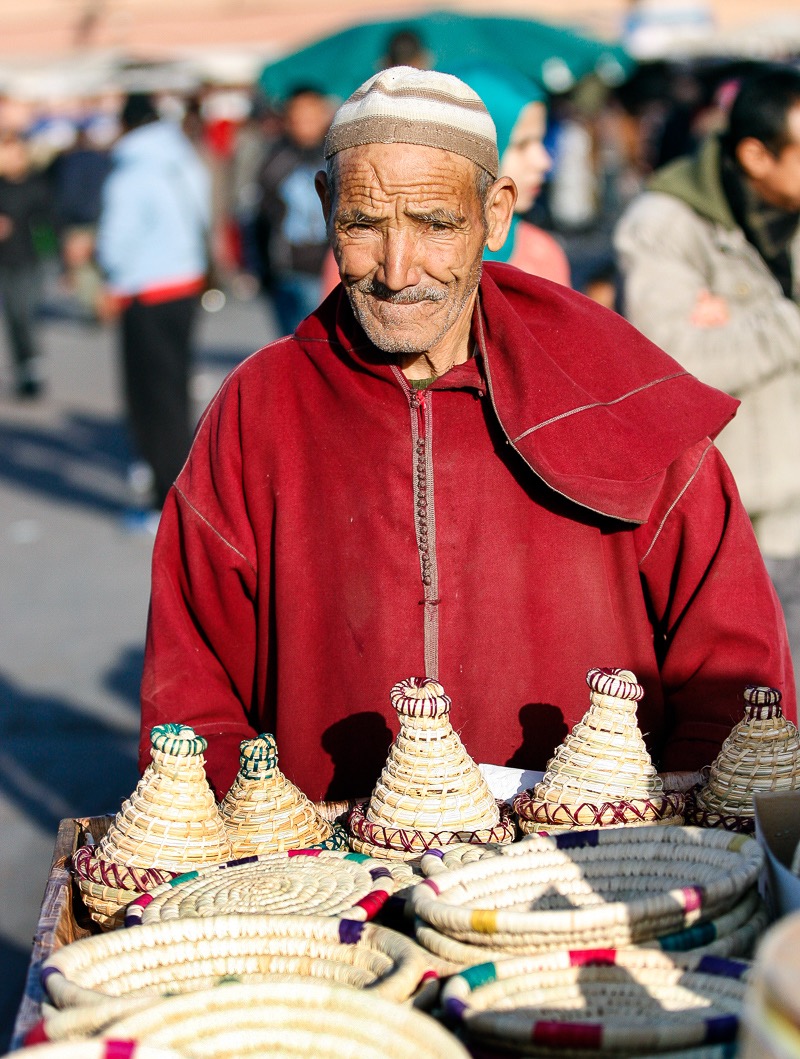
(604, 756)
(762, 753)
(429, 782)
(263, 812)
(171, 820)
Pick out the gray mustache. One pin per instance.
(410, 296)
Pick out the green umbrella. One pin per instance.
(554, 56)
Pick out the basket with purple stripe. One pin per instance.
(600, 1002)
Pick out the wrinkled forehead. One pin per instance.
(385, 172)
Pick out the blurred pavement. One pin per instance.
(75, 586)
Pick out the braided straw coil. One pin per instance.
(186, 955)
(602, 774)
(762, 753)
(169, 824)
(614, 886)
(288, 1018)
(430, 792)
(312, 882)
(108, 1049)
(602, 1002)
(264, 813)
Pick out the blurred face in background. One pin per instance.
(525, 159)
(306, 119)
(14, 158)
(775, 177)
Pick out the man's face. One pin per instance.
(777, 179)
(408, 232)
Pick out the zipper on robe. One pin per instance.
(425, 522)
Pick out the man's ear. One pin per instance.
(754, 157)
(321, 184)
(499, 211)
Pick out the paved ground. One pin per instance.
(73, 606)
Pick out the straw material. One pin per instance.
(733, 933)
(618, 887)
(599, 1003)
(186, 955)
(430, 792)
(264, 813)
(762, 753)
(289, 1019)
(109, 1049)
(310, 882)
(602, 774)
(169, 823)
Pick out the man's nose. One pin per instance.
(400, 266)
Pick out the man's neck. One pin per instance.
(455, 348)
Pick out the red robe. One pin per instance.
(552, 505)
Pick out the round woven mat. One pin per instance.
(289, 1019)
(186, 955)
(600, 1003)
(320, 883)
(616, 887)
(109, 1049)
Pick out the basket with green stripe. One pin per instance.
(614, 887)
(600, 1002)
(309, 882)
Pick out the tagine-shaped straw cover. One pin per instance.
(430, 792)
(602, 774)
(762, 753)
(168, 825)
(264, 813)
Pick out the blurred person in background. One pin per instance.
(77, 177)
(151, 246)
(292, 237)
(710, 255)
(519, 112)
(24, 201)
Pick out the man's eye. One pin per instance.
(439, 226)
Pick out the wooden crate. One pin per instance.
(62, 917)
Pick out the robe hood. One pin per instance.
(594, 408)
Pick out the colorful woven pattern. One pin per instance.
(310, 882)
(602, 774)
(264, 813)
(169, 823)
(762, 753)
(615, 887)
(108, 1049)
(430, 792)
(600, 1002)
(186, 955)
(290, 1019)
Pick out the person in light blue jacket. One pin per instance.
(152, 248)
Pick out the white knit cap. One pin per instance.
(406, 105)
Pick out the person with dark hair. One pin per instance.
(290, 226)
(151, 246)
(710, 256)
(24, 200)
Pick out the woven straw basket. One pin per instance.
(430, 792)
(614, 887)
(772, 1009)
(762, 753)
(187, 955)
(170, 823)
(290, 1018)
(599, 1003)
(309, 882)
(264, 813)
(602, 774)
(109, 1049)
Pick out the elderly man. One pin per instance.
(450, 470)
